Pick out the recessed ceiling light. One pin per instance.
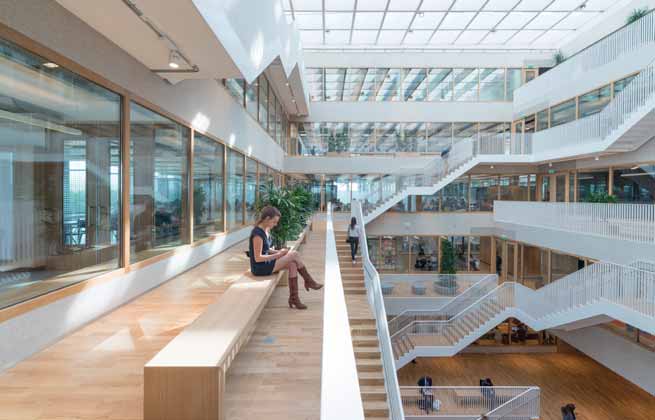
(420, 14)
(491, 167)
(50, 65)
(293, 100)
(286, 84)
(596, 158)
(550, 164)
(174, 60)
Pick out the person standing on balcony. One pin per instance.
(264, 260)
(353, 238)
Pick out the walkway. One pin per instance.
(97, 372)
(597, 392)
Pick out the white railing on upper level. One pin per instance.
(340, 392)
(470, 402)
(376, 301)
(455, 306)
(631, 222)
(622, 292)
(611, 48)
(597, 127)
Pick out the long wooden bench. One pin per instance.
(186, 379)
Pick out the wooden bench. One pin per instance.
(186, 379)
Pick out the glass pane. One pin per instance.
(455, 196)
(440, 136)
(513, 82)
(158, 169)
(483, 193)
(207, 187)
(414, 85)
(460, 248)
(619, 85)
(354, 82)
(413, 135)
(370, 85)
(334, 84)
(440, 85)
(492, 84)
(362, 137)
(635, 185)
(388, 135)
(514, 188)
(562, 113)
(594, 101)
(59, 177)
(272, 105)
(234, 196)
(251, 190)
(388, 85)
(542, 120)
(251, 100)
(237, 88)
(314, 78)
(337, 137)
(545, 188)
(463, 131)
(466, 84)
(430, 202)
(263, 101)
(425, 253)
(591, 183)
(337, 192)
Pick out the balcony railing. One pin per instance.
(631, 222)
(470, 402)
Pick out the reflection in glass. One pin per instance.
(465, 84)
(388, 85)
(483, 193)
(414, 87)
(594, 101)
(59, 177)
(237, 88)
(251, 190)
(513, 82)
(440, 85)
(562, 113)
(207, 187)
(235, 189)
(440, 136)
(353, 84)
(334, 84)
(314, 79)
(425, 253)
(542, 120)
(620, 85)
(455, 196)
(251, 100)
(460, 247)
(635, 185)
(158, 167)
(591, 183)
(263, 102)
(337, 192)
(492, 84)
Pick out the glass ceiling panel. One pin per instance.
(412, 23)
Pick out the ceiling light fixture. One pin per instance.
(550, 164)
(50, 65)
(420, 14)
(491, 167)
(596, 158)
(634, 168)
(174, 60)
(293, 100)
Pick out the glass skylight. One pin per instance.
(543, 24)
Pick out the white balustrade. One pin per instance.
(631, 222)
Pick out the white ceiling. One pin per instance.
(534, 24)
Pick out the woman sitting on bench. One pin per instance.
(265, 261)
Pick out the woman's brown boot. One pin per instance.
(309, 281)
(294, 299)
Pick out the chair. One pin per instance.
(387, 289)
(418, 288)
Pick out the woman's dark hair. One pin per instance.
(353, 222)
(267, 212)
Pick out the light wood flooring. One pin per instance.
(597, 392)
(97, 371)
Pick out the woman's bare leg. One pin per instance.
(282, 263)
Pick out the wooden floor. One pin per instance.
(597, 392)
(277, 375)
(97, 372)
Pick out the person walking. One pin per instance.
(353, 238)
(264, 260)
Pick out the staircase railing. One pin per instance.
(628, 287)
(606, 50)
(455, 306)
(376, 301)
(631, 222)
(598, 127)
(469, 402)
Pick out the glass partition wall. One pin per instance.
(91, 183)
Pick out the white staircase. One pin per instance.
(587, 297)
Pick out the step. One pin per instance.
(373, 393)
(371, 378)
(376, 409)
(364, 330)
(361, 321)
(354, 290)
(367, 352)
(369, 365)
(365, 340)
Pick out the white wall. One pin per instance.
(50, 24)
(356, 165)
(26, 334)
(410, 112)
(626, 358)
(391, 223)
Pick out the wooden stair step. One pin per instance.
(375, 408)
(371, 378)
(369, 365)
(373, 393)
(367, 352)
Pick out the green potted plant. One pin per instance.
(295, 204)
(599, 197)
(447, 284)
(636, 14)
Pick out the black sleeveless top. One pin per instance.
(263, 268)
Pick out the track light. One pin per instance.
(50, 65)
(174, 60)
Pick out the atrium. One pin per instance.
(327, 209)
